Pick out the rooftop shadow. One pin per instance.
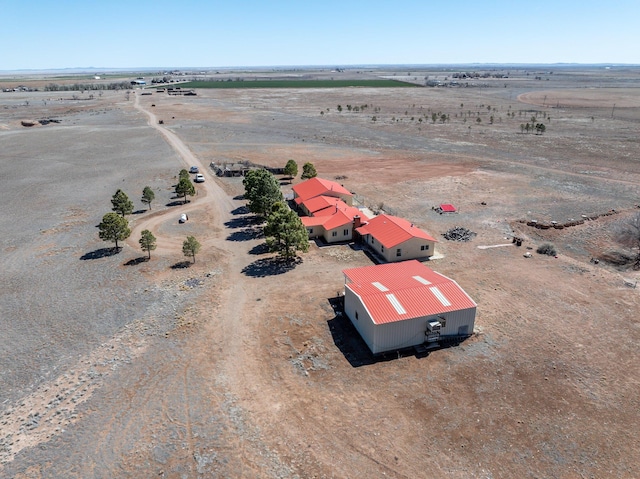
(101, 253)
(270, 267)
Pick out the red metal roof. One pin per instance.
(321, 203)
(318, 186)
(406, 290)
(448, 208)
(333, 217)
(391, 230)
(309, 221)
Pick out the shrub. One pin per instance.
(546, 248)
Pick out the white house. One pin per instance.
(319, 186)
(396, 239)
(330, 218)
(399, 305)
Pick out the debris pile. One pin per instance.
(459, 234)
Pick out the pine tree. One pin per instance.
(285, 232)
(148, 196)
(114, 228)
(262, 191)
(184, 188)
(308, 171)
(191, 247)
(291, 169)
(147, 242)
(121, 203)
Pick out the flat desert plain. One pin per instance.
(239, 366)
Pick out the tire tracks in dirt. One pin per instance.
(226, 328)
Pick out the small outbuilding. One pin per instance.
(401, 305)
(446, 208)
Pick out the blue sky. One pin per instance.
(190, 33)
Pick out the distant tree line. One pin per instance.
(88, 86)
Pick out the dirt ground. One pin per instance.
(239, 366)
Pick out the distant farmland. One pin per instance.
(296, 84)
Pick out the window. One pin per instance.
(381, 249)
(334, 233)
(356, 315)
(345, 232)
(310, 230)
(398, 252)
(424, 247)
(372, 240)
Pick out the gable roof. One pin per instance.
(321, 203)
(316, 187)
(332, 217)
(391, 230)
(406, 290)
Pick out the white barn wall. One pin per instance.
(459, 319)
(364, 323)
(402, 334)
(399, 335)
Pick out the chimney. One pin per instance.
(356, 222)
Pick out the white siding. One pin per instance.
(459, 322)
(340, 236)
(399, 335)
(403, 334)
(364, 324)
(410, 249)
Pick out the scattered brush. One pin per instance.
(547, 248)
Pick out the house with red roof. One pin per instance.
(330, 218)
(396, 239)
(320, 187)
(401, 305)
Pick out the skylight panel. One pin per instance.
(396, 304)
(441, 297)
(380, 286)
(420, 279)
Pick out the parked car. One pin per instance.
(199, 179)
(183, 218)
(194, 169)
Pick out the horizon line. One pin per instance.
(319, 66)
